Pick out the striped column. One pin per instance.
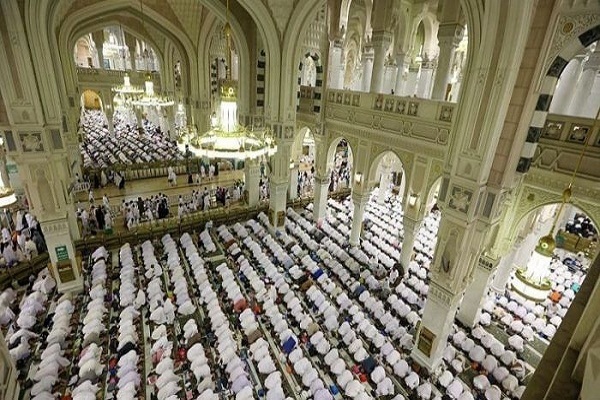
(570, 50)
(214, 81)
(260, 82)
(318, 85)
(298, 88)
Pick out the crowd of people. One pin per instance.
(99, 216)
(340, 174)
(298, 306)
(22, 239)
(582, 226)
(101, 149)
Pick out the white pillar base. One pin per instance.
(475, 295)
(320, 199)
(436, 325)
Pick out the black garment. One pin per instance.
(100, 218)
(126, 349)
(141, 206)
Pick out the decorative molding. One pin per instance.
(568, 28)
(439, 293)
(460, 198)
(31, 141)
(540, 188)
(389, 140)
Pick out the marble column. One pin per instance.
(170, 112)
(401, 74)
(476, 292)
(3, 169)
(585, 84)
(424, 84)
(449, 36)
(320, 200)
(64, 266)
(336, 65)
(8, 372)
(367, 66)
(411, 228)
(109, 111)
(277, 202)
(45, 185)
(251, 181)
(130, 42)
(389, 77)
(563, 95)
(412, 79)
(98, 38)
(381, 43)
(436, 325)
(293, 189)
(384, 183)
(360, 202)
(505, 268)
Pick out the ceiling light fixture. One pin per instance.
(227, 138)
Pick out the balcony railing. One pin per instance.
(561, 145)
(421, 119)
(114, 76)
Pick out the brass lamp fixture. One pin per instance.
(532, 282)
(226, 138)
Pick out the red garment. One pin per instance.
(182, 354)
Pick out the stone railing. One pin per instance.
(307, 94)
(190, 223)
(23, 270)
(424, 121)
(561, 145)
(114, 76)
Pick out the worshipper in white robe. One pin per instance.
(30, 249)
(91, 196)
(103, 178)
(171, 176)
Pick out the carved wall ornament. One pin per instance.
(553, 130)
(446, 113)
(389, 105)
(376, 122)
(401, 107)
(460, 198)
(378, 103)
(578, 133)
(443, 136)
(356, 100)
(413, 108)
(31, 141)
(568, 28)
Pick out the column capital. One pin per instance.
(359, 197)
(381, 38)
(487, 263)
(450, 34)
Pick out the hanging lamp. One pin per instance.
(532, 282)
(227, 138)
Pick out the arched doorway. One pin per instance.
(387, 172)
(302, 164)
(340, 162)
(90, 100)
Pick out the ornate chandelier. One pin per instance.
(227, 138)
(127, 89)
(149, 98)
